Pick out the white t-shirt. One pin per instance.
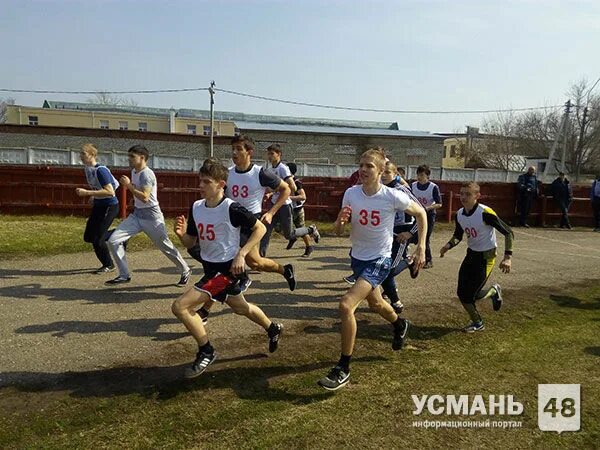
(283, 172)
(425, 197)
(141, 180)
(373, 220)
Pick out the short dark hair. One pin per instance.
(246, 141)
(274, 148)
(424, 168)
(471, 185)
(213, 168)
(140, 150)
(401, 171)
(293, 168)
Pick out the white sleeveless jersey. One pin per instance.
(373, 220)
(425, 197)
(219, 240)
(283, 172)
(480, 236)
(245, 188)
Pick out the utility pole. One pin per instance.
(561, 131)
(211, 90)
(578, 154)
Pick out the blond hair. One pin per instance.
(90, 149)
(377, 154)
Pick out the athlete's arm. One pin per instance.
(418, 212)
(490, 218)
(437, 200)
(181, 229)
(106, 191)
(456, 238)
(141, 194)
(301, 197)
(241, 217)
(291, 183)
(284, 193)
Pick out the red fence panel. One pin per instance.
(51, 190)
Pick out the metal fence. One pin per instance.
(67, 157)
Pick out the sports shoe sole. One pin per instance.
(403, 336)
(474, 330)
(339, 386)
(497, 301)
(189, 375)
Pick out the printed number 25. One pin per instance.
(210, 232)
(364, 217)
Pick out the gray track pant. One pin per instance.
(284, 219)
(154, 227)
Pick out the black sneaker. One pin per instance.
(203, 313)
(315, 233)
(104, 269)
(428, 265)
(118, 280)
(350, 279)
(398, 307)
(400, 335)
(308, 251)
(185, 277)
(474, 326)
(288, 274)
(291, 243)
(497, 297)
(274, 336)
(203, 360)
(245, 283)
(413, 269)
(335, 379)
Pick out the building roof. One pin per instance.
(254, 126)
(258, 122)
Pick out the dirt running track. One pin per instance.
(58, 318)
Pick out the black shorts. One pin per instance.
(218, 282)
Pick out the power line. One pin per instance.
(289, 102)
(395, 111)
(151, 91)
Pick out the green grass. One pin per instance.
(30, 236)
(275, 403)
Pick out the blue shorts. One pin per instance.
(373, 271)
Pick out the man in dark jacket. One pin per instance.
(563, 196)
(528, 190)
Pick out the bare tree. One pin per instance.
(584, 151)
(509, 135)
(4, 102)
(500, 148)
(104, 98)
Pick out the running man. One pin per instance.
(428, 194)
(146, 217)
(371, 208)
(105, 205)
(215, 222)
(405, 230)
(479, 222)
(298, 199)
(283, 216)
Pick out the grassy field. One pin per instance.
(26, 236)
(259, 402)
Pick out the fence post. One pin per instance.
(450, 207)
(123, 202)
(544, 209)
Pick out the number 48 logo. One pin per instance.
(559, 407)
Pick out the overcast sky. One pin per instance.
(417, 55)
